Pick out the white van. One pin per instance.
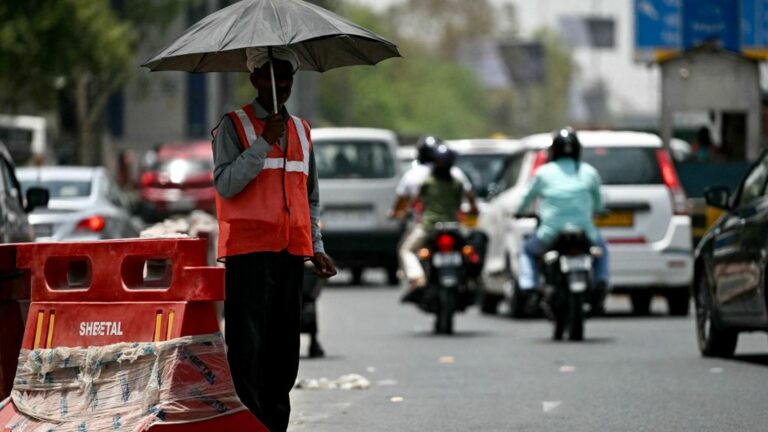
(358, 171)
(25, 138)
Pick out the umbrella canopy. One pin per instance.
(321, 39)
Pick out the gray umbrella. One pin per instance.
(321, 39)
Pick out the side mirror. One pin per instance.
(718, 196)
(37, 197)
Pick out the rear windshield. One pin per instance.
(624, 165)
(61, 189)
(337, 159)
(482, 170)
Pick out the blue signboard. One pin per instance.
(754, 24)
(711, 20)
(663, 26)
(657, 25)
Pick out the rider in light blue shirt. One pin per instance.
(568, 191)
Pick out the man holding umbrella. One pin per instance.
(267, 198)
(267, 204)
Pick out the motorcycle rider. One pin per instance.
(408, 189)
(569, 193)
(410, 183)
(441, 195)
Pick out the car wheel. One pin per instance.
(641, 303)
(678, 302)
(357, 275)
(714, 341)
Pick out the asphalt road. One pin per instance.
(498, 374)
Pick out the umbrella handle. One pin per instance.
(272, 75)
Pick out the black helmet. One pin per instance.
(426, 148)
(444, 157)
(565, 143)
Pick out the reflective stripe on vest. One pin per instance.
(272, 212)
(277, 163)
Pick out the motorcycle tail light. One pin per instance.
(467, 251)
(445, 243)
(596, 251)
(93, 223)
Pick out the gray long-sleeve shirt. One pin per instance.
(235, 168)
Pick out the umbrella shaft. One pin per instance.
(272, 75)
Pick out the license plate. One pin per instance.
(616, 219)
(345, 218)
(446, 259)
(577, 282)
(575, 263)
(43, 230)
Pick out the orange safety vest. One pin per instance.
(271, 213)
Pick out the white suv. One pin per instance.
(647, 228)
(358, 171)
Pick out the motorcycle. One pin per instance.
(568, 281)
(449, 262)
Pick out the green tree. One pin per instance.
(80, 51)
(422, 93)
(442, 24)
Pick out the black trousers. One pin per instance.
(262, 315)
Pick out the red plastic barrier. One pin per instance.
(99, 293)
(14, 300)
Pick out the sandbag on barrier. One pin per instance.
(124, 386)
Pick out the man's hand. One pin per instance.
(274, 128)
(396, 214)
(324, 266)
(400, 208)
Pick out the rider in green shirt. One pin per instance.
(441, 196)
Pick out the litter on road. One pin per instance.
(344, 382)
(549, 406)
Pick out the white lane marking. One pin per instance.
(567, 369)
(549, 406)
(386, 382)
(447, 360)
(370, 369)
(396, 399)
(716, 370)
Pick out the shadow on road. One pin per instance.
(459, 334)
(630, 315)
(327, 357)
(756, 359)
(587, 341)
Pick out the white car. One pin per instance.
(483, 160)
(647, 228)
(358, 172)
(85, 204)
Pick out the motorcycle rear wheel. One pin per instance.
(446, 309)
(576, 316)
